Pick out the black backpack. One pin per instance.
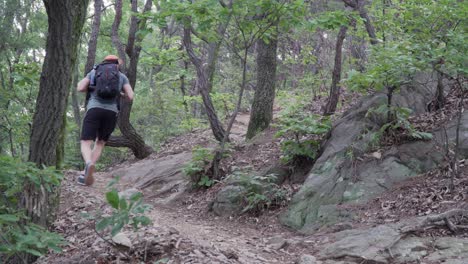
(106, 81)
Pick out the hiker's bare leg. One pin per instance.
(97, 151)
(86, 150)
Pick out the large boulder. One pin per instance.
(161, 179)
(346, 173)
(387, 244)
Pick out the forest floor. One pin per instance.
(186, 232)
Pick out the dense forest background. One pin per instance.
(196, 65)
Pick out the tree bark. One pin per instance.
(359, 6)
(92, 43)
(66, 19)
(439, 97)
(262, 107)
(131, 138)
(204, 85)
(335, 88)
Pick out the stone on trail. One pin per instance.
(228, 201)
(122, 240)
(308, 259)
(161, 179)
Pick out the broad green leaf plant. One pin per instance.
(17, 234)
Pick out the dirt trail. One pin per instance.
(200, 236)
(207, 238)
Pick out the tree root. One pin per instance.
(438, 220)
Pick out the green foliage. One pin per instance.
(398, 124)
(302, 132)
(197, 168)
(261, 192)
(125, 212)
(420, 35)
(17, 233)
(330, 20)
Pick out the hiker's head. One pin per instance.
(112, 59)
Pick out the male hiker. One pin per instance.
(105, 84)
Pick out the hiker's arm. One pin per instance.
(83, 85)
(128, 91)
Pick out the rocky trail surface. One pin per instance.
(182, 229)
(404, 223)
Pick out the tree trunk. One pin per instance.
(359, 6)
(66, 19)
(131, 138)
(92, 43)
(204, 86)
(335, 88)
(440, 97)
(262, 107)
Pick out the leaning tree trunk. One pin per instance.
(262, 106)
(130, 138)
(359, 6)
(66, 19)
(335, 88)
(204, 84)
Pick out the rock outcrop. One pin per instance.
(161, 179)
(346, 173)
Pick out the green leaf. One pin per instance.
(117, 227)
(33, 252)
(8, 218)
(103, 223)
(123, 204)
(136, 196)
(113, 198)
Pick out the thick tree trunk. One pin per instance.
(262, 107)
(131, 138)
(66, 19)
(335, 88)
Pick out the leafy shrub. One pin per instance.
(399, 123)
(261, 192)
(198, 167)
(125, 212)
(303, 133)
(17, 234)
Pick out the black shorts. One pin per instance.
(98, 124)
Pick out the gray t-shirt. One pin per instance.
(96, 102)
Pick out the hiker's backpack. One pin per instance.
(106, 81)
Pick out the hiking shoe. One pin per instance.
(88, 176)
(81, 180)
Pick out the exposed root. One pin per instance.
(438, 220)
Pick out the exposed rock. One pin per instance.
(450, 250)
(308, 259)
(122, 239)
(228, 201)
(161, 178)
(411, 249)
(345, 174)
(278, 173)
(278, 242)
(363, 244)
(386, 244)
